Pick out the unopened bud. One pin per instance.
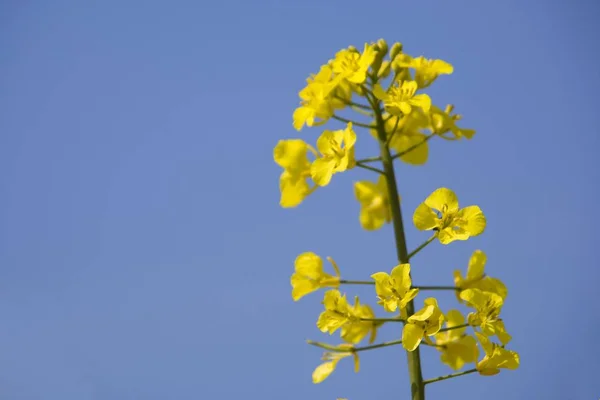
(383, 47)
(385, 69)
(449, 108)
(396, 49)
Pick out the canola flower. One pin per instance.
(379, 92)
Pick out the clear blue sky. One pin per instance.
(143, 253)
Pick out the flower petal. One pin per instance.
(411, 336)
(443, 200)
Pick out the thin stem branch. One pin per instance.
(368, 159)
(351, 103)
(454, 375)
(361, 165)
(382, 320)
(453, 327)
(436, 287)
(414, 146)
(421, 247)
(348, 282)
(342, 119)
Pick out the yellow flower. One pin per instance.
(458, 348)
(401, 98)
(407, 138)
(374, 203)
(331, 359)
(356, 330)
(316, 104)
(443, 123)
(394, 290)
(427, 321)
(309, 276)
(352, 66)
(450, 222)
(337, 312)
(476, 277)
(426, 70)
(337, 150)
(487, 307)
(292, 156)
(496, 357)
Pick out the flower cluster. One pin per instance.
(384, 87)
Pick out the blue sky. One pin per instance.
(143, 253)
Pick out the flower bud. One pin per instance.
(384, 70)
(396, 49)
(383, 47)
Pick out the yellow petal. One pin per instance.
(411, 336)
(294, 189)
(476, 265)
(421, 100)
(321, 171)
(425, 218)
(443, 200)
(419, 149)
(291, 154)
(323, 371)
(475, 220)
(401, 274)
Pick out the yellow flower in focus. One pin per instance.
(352, 66)
(356, 330)
(394, 290)
(401, 98)
(443, 123)
(487, 307)
(331, 359)
(337, 150)
(337, 312)
(477, 279)
(427, 321)
(292, 156)
(496, 357)
(426, 70)
(374, 203)
(440, 212)
(458, 348)
(316, 104)
(309, 276)
(407, 138)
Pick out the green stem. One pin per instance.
(339, 349)
(417, 387)
(351, 103)
(352, 122)
(364, 166)
(442, 378)
(421, 247)
(453, 327)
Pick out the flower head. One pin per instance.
(407, 137)
(337, 312)
(356, 329)
(401, 98)
(443, 124)
(426, 70)
(352, 66)
(496, 357)
(456, 347)
(337, 150)
(394, 290)
(316, 101)
(477, 279)
(292, 156)
(487, 307)
(440, 212)
(331, 359)
(374, 203)
(309, 276)
(427, 321)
